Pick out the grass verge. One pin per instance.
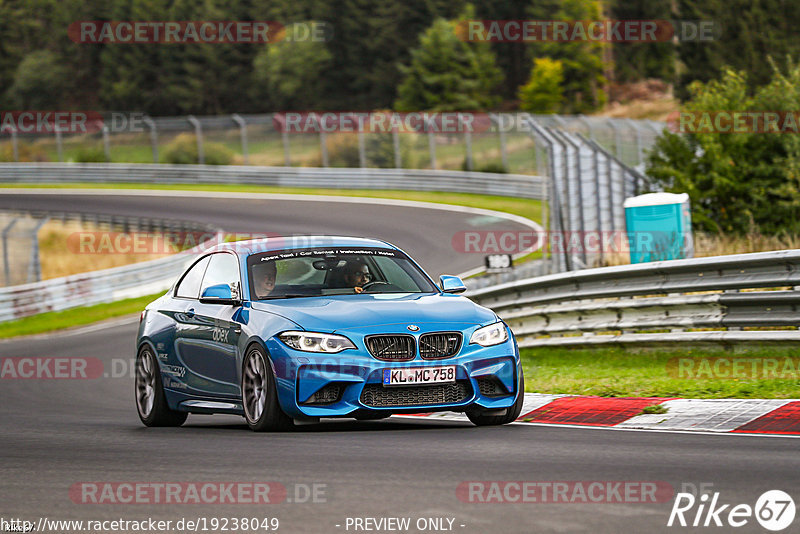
(84, 315)
(617, 372)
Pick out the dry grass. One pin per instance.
(721, 245)
(60, 257)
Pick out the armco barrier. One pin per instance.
(706, 300)
(512, 185)
(105, 285)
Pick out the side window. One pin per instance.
(223, 269)
(189, 286)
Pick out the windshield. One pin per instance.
(333, 271)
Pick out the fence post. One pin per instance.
(243, 131)
(502, 134)
(59, 148)
(14, 148)
(6, 267)
(398, 158)
(362, 149)
(198, 132)
(467, 144)
(35, 265)
(287, 156)
(639, 151)
(617, 139)
(323, 145)
(431, 143)
(106, 144)
(153, 137)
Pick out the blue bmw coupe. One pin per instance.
(296, 329)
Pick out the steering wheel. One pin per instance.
(366, 286)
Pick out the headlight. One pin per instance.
(316, 342)
(494, 334)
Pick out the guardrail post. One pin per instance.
(153, 137)
(6, 266)
(59, 147)
(398, 157)
(35, 265)
(243, 132)
(106, 144)
(198, 132)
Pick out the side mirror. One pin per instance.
(220, 294)
(451, 284)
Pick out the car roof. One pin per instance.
(257, 246)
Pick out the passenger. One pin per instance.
(264, 278)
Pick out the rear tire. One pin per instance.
(151, 403)
(260, 394)
(479, 417)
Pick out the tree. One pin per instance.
(544, 92)
(637, 61)
(291, 73)
(447, 73)
(582, 60)
(745, 32)
(738, 182)
(41, 81)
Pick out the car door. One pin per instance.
(207, 340)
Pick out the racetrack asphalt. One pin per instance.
(58, 433)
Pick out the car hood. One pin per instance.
(344, 312)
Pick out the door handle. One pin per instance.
(190, 313)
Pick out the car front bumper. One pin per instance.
(350, 383)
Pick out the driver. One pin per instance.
(357, 275)
(264, 278)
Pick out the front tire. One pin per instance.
(151, 403)
(479, 417)
(260, 394)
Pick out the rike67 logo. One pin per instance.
(774, 510)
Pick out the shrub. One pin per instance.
(90, 155)
(27, 153)
(183, 150)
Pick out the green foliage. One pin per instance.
(738, 182)
(582, 61)
(544, 92)
(290, 75)
(638, 61)
(90, 155)
(26, 152)
(41, 80)
(447, 73)
(745, 32)
(183, 150)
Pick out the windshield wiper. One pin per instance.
(287, 296)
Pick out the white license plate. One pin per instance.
(419, 375)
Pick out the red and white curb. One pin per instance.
(742, 416)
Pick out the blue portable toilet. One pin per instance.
(659, 227)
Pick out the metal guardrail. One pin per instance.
(705, 300)
(105, 285)
(513, 185)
